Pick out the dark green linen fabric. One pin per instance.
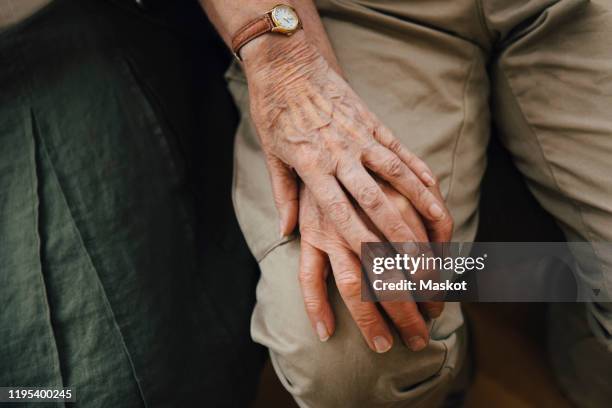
(104, 285)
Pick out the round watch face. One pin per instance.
(285, 17)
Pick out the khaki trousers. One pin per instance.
(14, 11)
(436, 72)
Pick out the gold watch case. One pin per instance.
(281, 16)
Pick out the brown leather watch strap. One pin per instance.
(250, 31)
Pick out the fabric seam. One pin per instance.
(34, 176)
(91, 264)
(461, 131)
(484, 26)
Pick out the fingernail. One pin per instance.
(281, 233)
(416, 343)
(381, 344)
(428, 179)
(322, 331)
(436, 211)
(411, 248)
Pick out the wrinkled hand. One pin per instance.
(319, 240)
(309, 119)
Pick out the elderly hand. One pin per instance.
(309, 119)
(319, 240)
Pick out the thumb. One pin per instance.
(285, 191)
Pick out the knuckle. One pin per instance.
(282, 199)
(395, 145)
(398, 228)
(306, 279)
(348, 168)
(307, 230)
(339, 212)
(313, 305)
(422, 193)
(370, 198)
(369, 129)
(394, 167)
(370, 145)
(407, 320)
(366, 319)
(309, 160)
(349, 282)
(369, 151)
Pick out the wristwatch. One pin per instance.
(281, 19)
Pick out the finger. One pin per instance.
(285, 192)
(418, 166)
(433, 310)
(409, 322)
(337, 208)
(441, 230)
(389, 166)
(374, 329)
(312, 276)
(376, 205)
(407, 211)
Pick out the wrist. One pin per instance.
(278, 53)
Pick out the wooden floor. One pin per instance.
(509, 345)
(508, 341)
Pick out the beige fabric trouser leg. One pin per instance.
(421, 66)
(430, 87)
(552, 101)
